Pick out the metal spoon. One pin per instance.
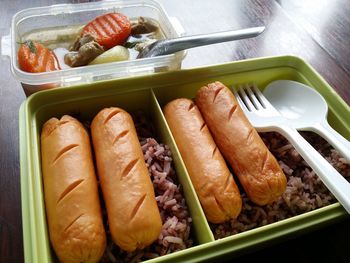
(305, 110)
(169, 46)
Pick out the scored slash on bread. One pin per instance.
(120, 135)
(137, 206)
(69, 189)
(232, 111)
(64, 150)
(129, 167)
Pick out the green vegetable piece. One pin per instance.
(30, 45)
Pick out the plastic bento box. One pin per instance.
(150, 94)
(62, 20)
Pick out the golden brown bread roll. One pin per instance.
(257, 169)
(133, 215)
(211, 178)
(71, 194)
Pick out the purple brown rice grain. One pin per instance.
(304, 192)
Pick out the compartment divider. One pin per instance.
(200, 224)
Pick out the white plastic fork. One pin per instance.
(264, 117)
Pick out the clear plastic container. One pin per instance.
(68, 15)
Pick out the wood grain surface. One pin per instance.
(318, 31)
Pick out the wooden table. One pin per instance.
(316, 30)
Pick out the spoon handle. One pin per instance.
(182, 43)
(333, 180)
(334, 138)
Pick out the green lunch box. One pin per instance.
(150, 93)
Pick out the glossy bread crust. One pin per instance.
(211, 178)
(133, 215)
(71, 194)
(257, 169)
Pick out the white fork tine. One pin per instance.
(245, 98)
(238, 97)
(264, 102)
(253, 97)
(255, 106)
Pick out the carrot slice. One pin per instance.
(109, 29)
(34, 57)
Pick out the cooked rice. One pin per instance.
(175, 233)
(304, 192)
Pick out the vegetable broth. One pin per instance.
(59, 39)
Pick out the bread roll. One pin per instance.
(257, 169)
(133, 215)
(211, 178)
(71, 194)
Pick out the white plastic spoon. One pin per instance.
(264, 117)
(306, 110)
